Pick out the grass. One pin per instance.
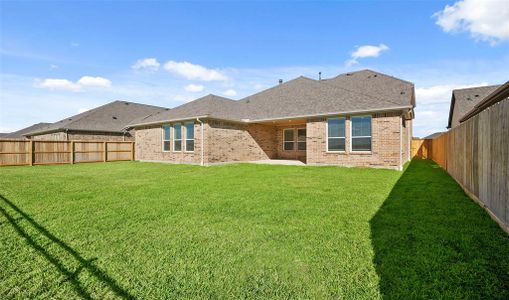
(145, 230)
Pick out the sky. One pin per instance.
(61, 58)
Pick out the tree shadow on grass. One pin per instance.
(432, 241)
(71, 276)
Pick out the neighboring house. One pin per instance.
(361, 118)
(106, 122)
(16, 135)
(463, 100)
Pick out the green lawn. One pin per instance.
(148, 230)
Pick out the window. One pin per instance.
(361, 133)
(288, 139)
(177, 137)
(336, 134)
(166, 137)
(190, 137)
(301, 139)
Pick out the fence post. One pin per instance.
(105, 151)
(132, 150)
(31, 152)
(71, 159)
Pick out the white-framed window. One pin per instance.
(177, 137)
(301, 139)
(335, 134)
(166, 137)
(189, 137)
(288, 139)
(361, 133)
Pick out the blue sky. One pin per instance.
(59, 58)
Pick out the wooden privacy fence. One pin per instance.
(28, 152)
(476, 155)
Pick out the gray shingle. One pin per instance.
(19, 134)
(464, 100)
(352, 92)
(111, 117)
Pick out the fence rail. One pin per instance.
(476, 155)
(30, 152)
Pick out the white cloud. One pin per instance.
(440, 93)
(194, 88)
(64, 84)
(194, 72)
(74, 44)
(181, 98)
(57, 84)
(366, 51)
(485, 20)
(53, 67)
(146, 64)
(230, 93)
(94, 81)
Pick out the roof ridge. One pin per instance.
(361, 93)
(477, 87)
(377, 72)
(275, 86)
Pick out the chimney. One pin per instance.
(319, 75)
(280, 81)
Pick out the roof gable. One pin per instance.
(464, 100)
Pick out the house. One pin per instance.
(20, 133)
(106, 122)
(463, 100)
(361, 118)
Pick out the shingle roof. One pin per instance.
(434, 135)
(111, 117)
(19, 134)
(499, 94)
(210, 105)
(364, 90)
(464, 100)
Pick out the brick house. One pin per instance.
(359, 119)
(106, 122)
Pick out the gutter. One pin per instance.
(201, 141)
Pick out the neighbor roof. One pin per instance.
(112, 117)
(20, 133)
(464, 100)
(361, 91)
(499, 94)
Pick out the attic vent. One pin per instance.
(126, 103)
(402, 92)
(114, 118)
(280, 81)
(476, 95)
(348, 74)
(374, 75)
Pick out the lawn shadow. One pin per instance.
(432, 241)
(71, 276)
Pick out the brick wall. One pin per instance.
(149, 146)
(228, 141)
(385, 144)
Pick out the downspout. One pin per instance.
(67, 134)
(401, 143)
(201, 140)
